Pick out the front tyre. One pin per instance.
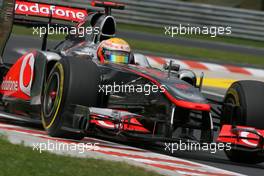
(66, 85)
(249, 97)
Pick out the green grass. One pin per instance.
(23, 161)
(161, 32)
(20, 30)
(192, 52)
(172, 49)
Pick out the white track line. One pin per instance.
(162, 163)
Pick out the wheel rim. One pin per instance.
(231, 100)
(51, 97)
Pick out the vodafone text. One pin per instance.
(59, 12)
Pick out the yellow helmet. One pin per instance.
(114, 50)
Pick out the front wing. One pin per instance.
(242, 137)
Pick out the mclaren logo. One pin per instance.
(26, 73)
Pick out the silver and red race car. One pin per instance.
(67, 90)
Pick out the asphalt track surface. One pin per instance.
(217, 160)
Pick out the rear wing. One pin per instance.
(108, 6)
(32, 13)
(28, 12)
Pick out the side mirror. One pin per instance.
(171, 66)
(188, 76)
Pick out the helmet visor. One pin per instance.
(116, 56)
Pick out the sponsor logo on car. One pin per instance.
(18, 81)
(9, 85)
(44, 10)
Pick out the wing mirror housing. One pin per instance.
(171, 66)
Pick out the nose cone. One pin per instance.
(184, 91)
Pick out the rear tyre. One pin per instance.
(249, 97)
(72, 81)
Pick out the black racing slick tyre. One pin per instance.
(249, 97)
(72, 81)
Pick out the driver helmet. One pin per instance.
(114, 50)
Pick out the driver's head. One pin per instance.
(114, 50)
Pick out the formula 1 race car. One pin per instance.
(73, 93)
